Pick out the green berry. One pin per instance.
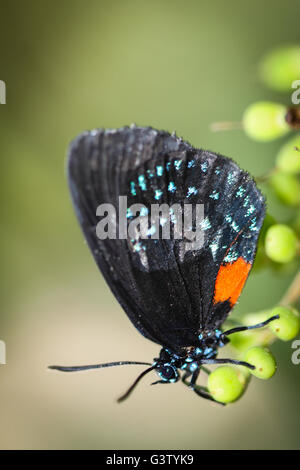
(296, 223)
(260, 258)
(265, 121)
(286, 187)
(268, 222)
(251, 319)
(263, 360)
(288, 157)
(281, 243)
(243, 340)
(244, 376)
(281, 67)
(287, 326)
(258, 337)
(226, 384)
(248, 339)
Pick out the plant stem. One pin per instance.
(266, 176)
(225, 126)
(292, 295)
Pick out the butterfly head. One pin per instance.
(189, 359)
(167, 372)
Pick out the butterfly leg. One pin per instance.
(185, 376)
(200, 391)
(229, 361)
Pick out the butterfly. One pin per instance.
(177, 289)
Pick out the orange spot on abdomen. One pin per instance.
(230, 281)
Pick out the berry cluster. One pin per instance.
(279, 243)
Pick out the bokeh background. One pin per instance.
(72, 65)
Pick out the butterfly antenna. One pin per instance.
(253, 327)
(126, 395)
(96, 366)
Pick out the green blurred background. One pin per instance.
(72, 65)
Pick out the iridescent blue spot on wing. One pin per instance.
(191, 191)
(158, 194)
(254, 227)
(205, 224)
(137, 246)
(144, 211)
(129, 214)
(159, 170)
(214, 249)
(235, 226)
(240, 192)
(151, 230)
(171, 187)
(250, 210)
(132, 188)
(142, 182)
(177, 164)
(246, 201)
(231, 178)
(231, 256)
(214, 195)
(204, 167)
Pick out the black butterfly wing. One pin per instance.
(168, 292)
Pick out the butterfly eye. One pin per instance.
(168, 373)
(210, 342)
